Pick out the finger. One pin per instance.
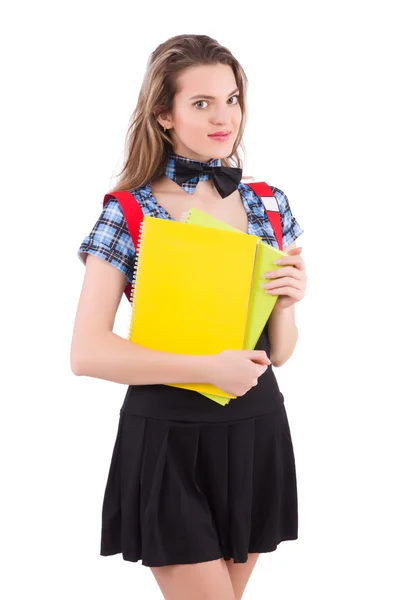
(293, 261)
(285, 291)
(284, 282)
(283, 272)
(261, 370)
(261, 361)
(255, 353)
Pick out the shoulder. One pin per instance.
(112, 211)
(277, 192)
(109, 239)
(260, 189)
(117, 200)
(281, 197)
(291, 228)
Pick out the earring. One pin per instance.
(165, 129)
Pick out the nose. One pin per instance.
(221, 115)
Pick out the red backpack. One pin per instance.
(133, 215)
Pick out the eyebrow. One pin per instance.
(212, 97)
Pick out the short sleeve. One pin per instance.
(110, 240)
(291, 228)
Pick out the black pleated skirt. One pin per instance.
(186, 492)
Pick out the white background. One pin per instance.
(322, 127)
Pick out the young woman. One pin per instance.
(195, 490)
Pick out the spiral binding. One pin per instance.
(135, 276)
(185, 216)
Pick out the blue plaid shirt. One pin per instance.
(110, 240)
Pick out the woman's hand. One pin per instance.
(289, 281)
(237, 371)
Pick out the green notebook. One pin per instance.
(261, 303)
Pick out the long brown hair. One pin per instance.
(147, 146)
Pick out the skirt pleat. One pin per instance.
(184, 492)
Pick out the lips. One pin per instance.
(220, 134)
(220, 137)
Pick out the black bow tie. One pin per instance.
(226, 179)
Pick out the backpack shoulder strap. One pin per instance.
(132, 212)
(133, 215)
(272, 208)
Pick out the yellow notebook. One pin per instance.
(191, 291)
(261, 303)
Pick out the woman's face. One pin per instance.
(207, 102)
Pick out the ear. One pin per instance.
(163, 118)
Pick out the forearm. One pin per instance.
(283, 334)
(113, 358)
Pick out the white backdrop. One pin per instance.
(322, 127)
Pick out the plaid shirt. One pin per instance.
(110, 240)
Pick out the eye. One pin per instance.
(201, 101)
(237, 99)
(198, 102)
